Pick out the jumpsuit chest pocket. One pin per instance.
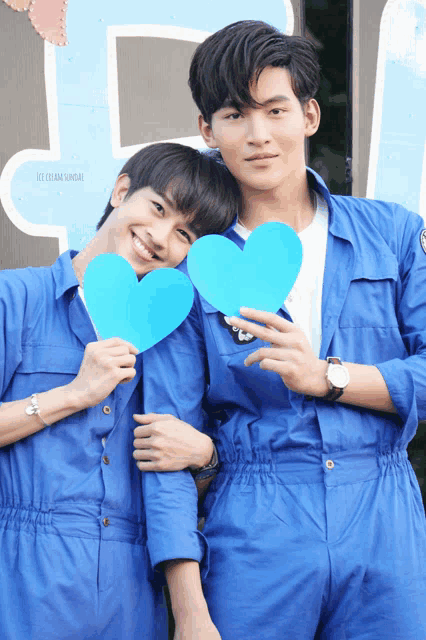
(44, 367)
(229, 340)
(370, 301)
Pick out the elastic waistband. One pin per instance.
(296, 466)
(64, 520)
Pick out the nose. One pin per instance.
(257, 132)
(159, 235)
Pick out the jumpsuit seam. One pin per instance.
(36, 531)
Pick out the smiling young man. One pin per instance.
(73, 555)
(315, 522)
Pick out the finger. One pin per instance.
(119, 350)
(266, 317)
(116, 342)
(268, 353)
(146, 455)
(267, 335)
(143, 431)
(147, 418)
(142, 442)
(281, 367)
(145, 465)
(154, 465)
(127, 361)
(125, 374)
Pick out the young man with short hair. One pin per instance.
(315, 522)
(73, 557)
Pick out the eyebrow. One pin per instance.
(274, 99)
(168, 202)
(229, 104)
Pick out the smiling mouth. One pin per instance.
(261, 157)
(143, 250)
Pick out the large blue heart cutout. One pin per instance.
(261, 276)
(142, 312)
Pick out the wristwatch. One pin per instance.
(209, 469)
(337, 377)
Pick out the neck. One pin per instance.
(82, 259)
(290, 203)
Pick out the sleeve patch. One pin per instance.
(423, 240)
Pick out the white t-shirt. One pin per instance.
(305, 299)
(81, 294)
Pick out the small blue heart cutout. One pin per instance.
(261, 276)
(142, 312)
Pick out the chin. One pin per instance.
(264, 185)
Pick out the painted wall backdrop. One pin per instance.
(397, 165)
(115, 80)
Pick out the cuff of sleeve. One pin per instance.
(171, 515)
(400, 383)
(195, 547)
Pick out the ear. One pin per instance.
(121, 188)
(312, 117)
(206, 132)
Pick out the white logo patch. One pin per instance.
(423, 239)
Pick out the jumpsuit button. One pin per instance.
(103, 441)
(105, 460)
(106, 522)
(106, 410)
(329, 464)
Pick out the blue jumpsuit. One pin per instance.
(315, 523)
(73, 557)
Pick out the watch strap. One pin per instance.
(209, 469)
(335, 392)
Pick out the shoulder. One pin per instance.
(378, 212)
(24, 286)
(393, 222)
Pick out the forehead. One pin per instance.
(273, 82)
(273, 85)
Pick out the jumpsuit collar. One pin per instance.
(64, 274)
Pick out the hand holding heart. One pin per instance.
(290, 354)
(105, 364)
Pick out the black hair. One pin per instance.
(224, 65)
(197, 185)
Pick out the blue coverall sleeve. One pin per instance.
(174, 383)
(406, 379)
(13, 300)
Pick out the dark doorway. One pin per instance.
(328, 23)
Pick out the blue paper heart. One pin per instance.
(142, 312)
(260, 276)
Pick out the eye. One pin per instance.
(276, 112)
(159, 207)
(233, 116)
(185, 235)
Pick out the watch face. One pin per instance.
(338, 375)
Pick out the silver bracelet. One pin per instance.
(33, 409)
